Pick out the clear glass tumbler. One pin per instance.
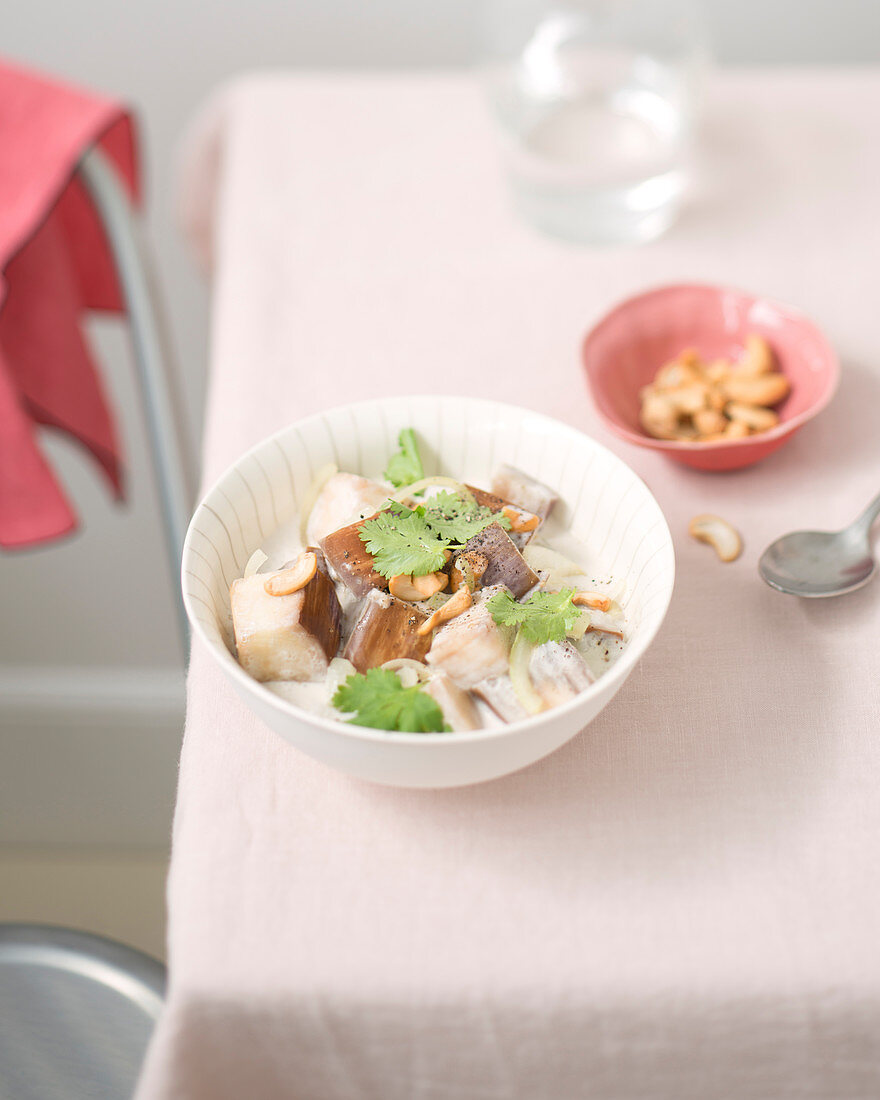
(595, 102)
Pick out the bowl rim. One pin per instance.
(778, 432)
(613, 678)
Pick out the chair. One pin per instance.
(77, 1010)
(76, 1014)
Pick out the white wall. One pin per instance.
(101, 602)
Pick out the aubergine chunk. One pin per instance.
(459, 709)
(498, 692)
(386, 629)
(523, 523)
(470, 648)
(523, 490)
(506, 566)
(351, 560)
(558, 672)
(286, 637)
(344, 498)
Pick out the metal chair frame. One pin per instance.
(153, 358)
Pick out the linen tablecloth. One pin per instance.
(681, 903)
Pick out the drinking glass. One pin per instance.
(596, 107)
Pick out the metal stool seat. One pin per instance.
(76, 1014)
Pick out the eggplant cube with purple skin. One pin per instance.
(523, 522)
(387, 629)
(499, 693)
(506, 566)
(524, 491)
(285, 637)
(351, 560)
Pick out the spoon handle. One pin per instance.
(869, 515)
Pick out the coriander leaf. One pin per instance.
(458, 518)
(543, 617)
(401, 542)
(379, 700)
(405, 467)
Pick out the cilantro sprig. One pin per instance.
(415, 540)
(401, 542)
(379, 700)
(405, 466)
(459, 518)
(543, 617)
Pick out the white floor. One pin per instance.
(115, 893)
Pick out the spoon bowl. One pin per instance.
(815, 564)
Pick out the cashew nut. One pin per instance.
(293, 579)
(659, 416)
(716, 399)
(519, 521)
(687, 433)
(759, 389)
(594, 600)
(415, 589)
(758, 358)
(709, 421)
(756, 417)
(691, 400)
(736, 429)
(719, 534)
(717, 370)
(454, 606)
(676, 374)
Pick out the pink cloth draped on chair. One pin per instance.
(54, 264)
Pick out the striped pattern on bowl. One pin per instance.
(602, 501)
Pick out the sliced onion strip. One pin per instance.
(581, 626)
(338, 671)
(416, 672)
(255, 563)
(543, 558)
(520, 655)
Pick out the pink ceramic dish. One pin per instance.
(628, 346)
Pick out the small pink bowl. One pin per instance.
(629, 345)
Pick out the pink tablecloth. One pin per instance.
(683, 902)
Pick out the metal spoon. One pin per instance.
(822, 563)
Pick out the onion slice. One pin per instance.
(520, 655)
(582, 625)
(413, 672)
(338, 671)
(255, 563)
(543, 558)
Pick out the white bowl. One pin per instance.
(603, 502)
